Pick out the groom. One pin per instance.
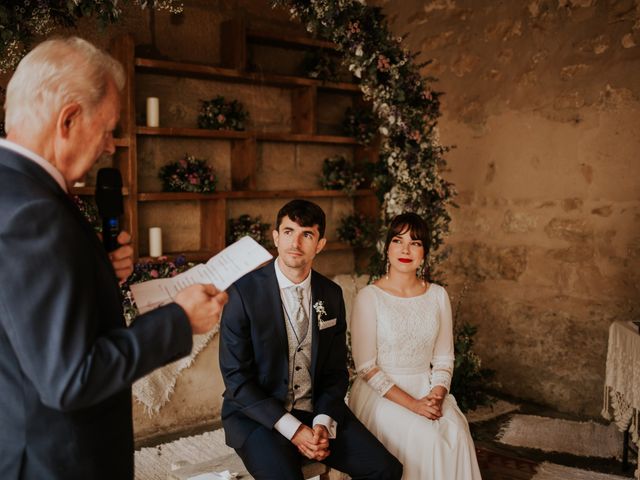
(283, 360)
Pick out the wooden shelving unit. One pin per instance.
(244, 144)
(246, 194)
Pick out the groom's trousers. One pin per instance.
(355, 451)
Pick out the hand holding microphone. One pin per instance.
(111, 207)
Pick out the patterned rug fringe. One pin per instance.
(551, 471)
(586, 439)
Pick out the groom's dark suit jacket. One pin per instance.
(66, 359)
(254, 354)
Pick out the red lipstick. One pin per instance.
(405, 260)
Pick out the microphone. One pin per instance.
(110, 205)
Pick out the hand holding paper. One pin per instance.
(220, 271)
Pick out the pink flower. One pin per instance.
(154, 273)
(383, 63)
(221, 118)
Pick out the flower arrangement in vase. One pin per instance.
(319, 64)
(189, 174)
(219, 114)
(358, 230)
(339, 174)
(360, 124)
(161, 267)
(246, 225)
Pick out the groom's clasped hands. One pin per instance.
(313, 443)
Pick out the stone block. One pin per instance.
(480, 262)
(518, 222)
(569, 229)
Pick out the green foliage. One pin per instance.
(340, 174)
(319, 63)
(470, 380)
(189, 174)
(145, 271)
(360, 124)
(21, 21)
(358, 230)
(405, 108)
(218, 114)
(253, 227)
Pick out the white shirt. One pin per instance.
(50, 169)
(288, 424)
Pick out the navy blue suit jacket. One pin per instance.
(254, 354)
(67, 359)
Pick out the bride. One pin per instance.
(402, 340)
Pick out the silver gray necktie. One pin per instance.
(300, 317)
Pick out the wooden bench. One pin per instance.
(233, 463)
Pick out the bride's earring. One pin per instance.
(420, 272)
(386, 270)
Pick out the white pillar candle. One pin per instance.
(153, 112)
(155, 242)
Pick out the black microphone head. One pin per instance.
(109, 193)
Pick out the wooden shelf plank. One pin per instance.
(121, 142)
(246, 195)
(192, 132)
(196, 70)
(294, 194)
(89, 191)
(285, 39)
(191, 256)
(179, 196)
(234, 135)
(305, 138)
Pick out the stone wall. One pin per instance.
(542, 104)
(542, 101)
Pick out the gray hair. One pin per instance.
(57, 72)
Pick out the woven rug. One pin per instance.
(153, 463)
(586, 439)
(155, 389)
(551, 471)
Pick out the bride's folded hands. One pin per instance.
(428, 407)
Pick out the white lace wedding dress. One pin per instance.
(410, 340)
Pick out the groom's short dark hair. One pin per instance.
(304, 213)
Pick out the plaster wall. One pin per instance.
(542, 103)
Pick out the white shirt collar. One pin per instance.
(25, 152)
(284, 282)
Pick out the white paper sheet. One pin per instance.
(221, 270)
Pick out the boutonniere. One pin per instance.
(320, 311)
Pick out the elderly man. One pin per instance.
(66, 358)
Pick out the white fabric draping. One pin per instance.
(622, 382)
(154, 390)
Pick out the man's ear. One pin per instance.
(321, 243)
(68, 118)
(275, 237)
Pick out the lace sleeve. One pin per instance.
(443, 356)
(363, 341)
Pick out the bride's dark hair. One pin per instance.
(417, 228)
